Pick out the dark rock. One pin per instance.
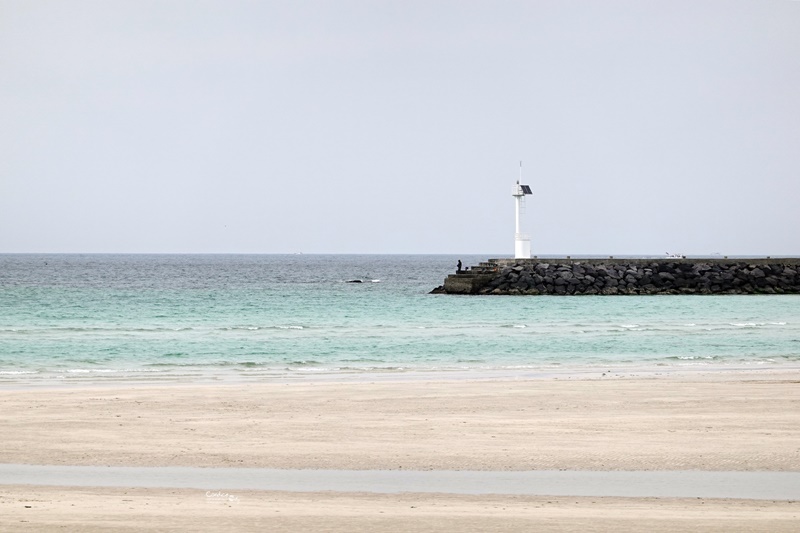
(625, 277)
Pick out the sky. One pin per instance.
(643, 127)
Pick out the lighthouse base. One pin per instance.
(522, 247)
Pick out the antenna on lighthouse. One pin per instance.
(522, 241)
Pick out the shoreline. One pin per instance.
(532, 373)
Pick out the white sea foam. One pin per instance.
(91, 371)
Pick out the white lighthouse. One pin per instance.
(522, 241)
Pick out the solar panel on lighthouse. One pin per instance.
(526, 189)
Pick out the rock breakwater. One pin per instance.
(627, 276)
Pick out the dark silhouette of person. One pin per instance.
(459, 266)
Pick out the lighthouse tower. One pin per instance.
(522, 241)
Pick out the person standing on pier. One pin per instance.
(459, 266)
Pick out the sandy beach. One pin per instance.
(714, 421)
(24, 508)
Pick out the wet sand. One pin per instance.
(590, 483)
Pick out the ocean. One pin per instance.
(94, 319)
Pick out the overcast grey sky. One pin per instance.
(398, 127)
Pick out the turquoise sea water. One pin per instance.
(106, 318)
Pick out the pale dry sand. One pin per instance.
(718, 421)
(722, 421)
(25, 508)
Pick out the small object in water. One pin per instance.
(354, 281)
